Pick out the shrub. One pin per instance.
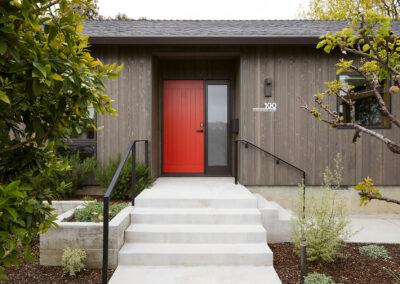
(67, 179)
(73, 260)
(88, 198)
(76, 175)
(317, 278)
(122, 189)
(93, 212)
(325, 224)
(374, 251)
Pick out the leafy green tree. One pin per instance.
(375, 56)
(48, 84)
(345, 9)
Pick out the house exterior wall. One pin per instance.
(294, 135)
(132, 99)
(297, 72)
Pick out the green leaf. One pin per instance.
(12, 212)
(3, 47)
(4, 97)
(52, 34)
(119, 68)
(365, 47)
(40, 67)
(55, 76)
(327, 48)
(112, 75)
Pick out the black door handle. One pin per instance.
(200, 130)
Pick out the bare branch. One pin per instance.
(374, 84)
(373, 196)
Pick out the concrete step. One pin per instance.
(195, 202)
(198, 233)
(195, 216)
(195, 275)
(194, 254)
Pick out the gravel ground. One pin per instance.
(351, 268)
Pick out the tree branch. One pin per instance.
(373, 85)
(373, 196)
(18, 145)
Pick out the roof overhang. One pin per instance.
(281, 40)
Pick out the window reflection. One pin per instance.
(367, 108)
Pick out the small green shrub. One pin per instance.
(93, 212)
(317, 278)
(88, 198)
(122, 189)
(375, 252)
(325, 224)
(73, 260)
(69, 178)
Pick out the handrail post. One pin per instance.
(236, 162)
(133, 181)
(304, 194)
(105, 239)
(146, 152)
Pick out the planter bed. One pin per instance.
(34, 273)
(352, 268)
(84, 235)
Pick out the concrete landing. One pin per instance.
(195, 275)
(376, 228)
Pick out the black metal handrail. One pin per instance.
(278, 160)
(106, 200)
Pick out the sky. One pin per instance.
(204, 9)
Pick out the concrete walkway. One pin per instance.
(379, 228)
(196, 230)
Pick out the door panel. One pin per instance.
(183, 126)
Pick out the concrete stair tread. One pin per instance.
(182, 248)
(200, 211)
(195, 275)
(218, 228)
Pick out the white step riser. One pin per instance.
(195, 203)
(195, 259)
(196, 237)
(195, 219)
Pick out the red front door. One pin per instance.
(183, 111)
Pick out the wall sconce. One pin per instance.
(268, 87)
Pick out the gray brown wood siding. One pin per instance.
(290, 133)
(294, 135)
(132, 99)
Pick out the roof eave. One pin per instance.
(279, 40)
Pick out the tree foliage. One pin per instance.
(48, 84)
(345, 9)
(375, 56)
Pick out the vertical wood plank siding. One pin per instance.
(132, 99)
(290, 133)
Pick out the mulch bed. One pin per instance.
(33, 272)
(351, 268)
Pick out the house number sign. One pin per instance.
(268, 107)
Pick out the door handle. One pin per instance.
(200, 130)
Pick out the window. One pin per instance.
(367, 108)
(85, 143)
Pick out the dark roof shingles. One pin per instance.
(215, 28)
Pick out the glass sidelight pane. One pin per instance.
(217, 110)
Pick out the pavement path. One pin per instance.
(376, 228)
